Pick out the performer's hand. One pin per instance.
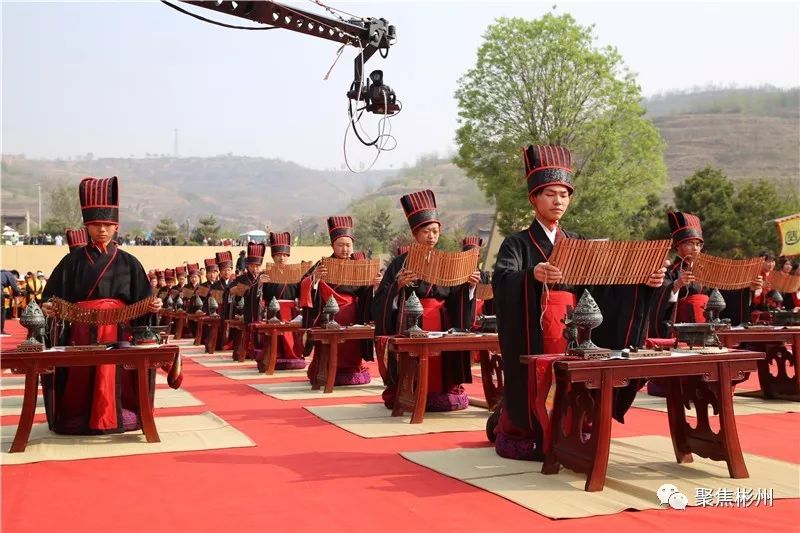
(405, 278)
(320, 272)
(474, 278)
(757, 283)
(547, 273)
(155, 305)
(656, 279)
(377, 281)
(263, 278)
(48, 310)
(687, 278)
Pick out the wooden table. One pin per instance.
(198, 331)
(326, 353)
(240, 346)
(773, 342)
(273, 330)
(34, 363)
(413, 355)
(585, 389)
(179, 317)
(213, 323)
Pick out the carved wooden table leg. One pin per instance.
(198, 337)
(179, 326)
(28, 409)
(213, 337)
(272, 354)
(560, 425)
(421, 397)
(333, 357)
(322, 353)
(145, 408)
(600, 439)
(406, 374)
(780, 386)
(727, 423)
(491, 372)
(676, 415)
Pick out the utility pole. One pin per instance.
(39, 189)
(175, 152)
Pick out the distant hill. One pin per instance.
(243, 192)
(749, 133)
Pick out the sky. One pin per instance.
(118, 78)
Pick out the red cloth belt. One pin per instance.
(690, 309)
(554, 304)
(103, 410)
(540, 379)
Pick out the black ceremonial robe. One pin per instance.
(458, 311)
(91, 400)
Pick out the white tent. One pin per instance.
(255, 235)
(10, 235)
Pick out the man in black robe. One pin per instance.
(101, 399)
(530, 304)
(443, 308)
(290, 349)
(354, 306)
(251, 281)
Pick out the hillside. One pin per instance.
(243, 192)
(749, 133)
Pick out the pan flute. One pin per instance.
(446, 269)
(217, 294)
(352, 272)
(240, 288)
(203, 291)
(587, 262)
(484, 291)
(288, 274)
(726, 274)
(187, 292)
(783, 282)
(70, 312)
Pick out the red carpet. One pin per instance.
(308, 475)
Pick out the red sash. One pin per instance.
(554, 304)
(540, 379)
(103, 409)
(690, 309)
(287, 344)
(432, 321)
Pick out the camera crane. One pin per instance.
(369, 34)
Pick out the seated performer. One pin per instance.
(444, 308)
(290, 346)
(212, 282)
(760, 302)
(354, 305)
(252, 279)
(530, 304)
(101, 399)
(482, 307)
(76, 238)
(152, 278)
(225, 264)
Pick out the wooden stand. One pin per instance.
(240, 346)
(326, 352)
(272, 330)
(413, 355)
(35, 363)
(581, 421)
(774, 343)
(212, 323)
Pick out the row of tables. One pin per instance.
(584, 388)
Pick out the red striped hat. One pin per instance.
(280, 243)
(77, 238)
(403, 249)
(99, 200)
(193, 268)
(684, 226)
(255, 253)
(547, 165)
(471, 241)
(359, 255)
(211, 264)
(169, 274)
(420, 209)
(224, 259)
(340, 226)
(180, 271)
(159, 274)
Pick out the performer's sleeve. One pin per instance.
(662, 312)
(383, 310)
(461, 306)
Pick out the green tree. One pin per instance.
(54, 226)
(64, 206)
(380, 228)
(709, 194)
(166, 229)
(544, 82)
(207, 228)
(756, 205)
